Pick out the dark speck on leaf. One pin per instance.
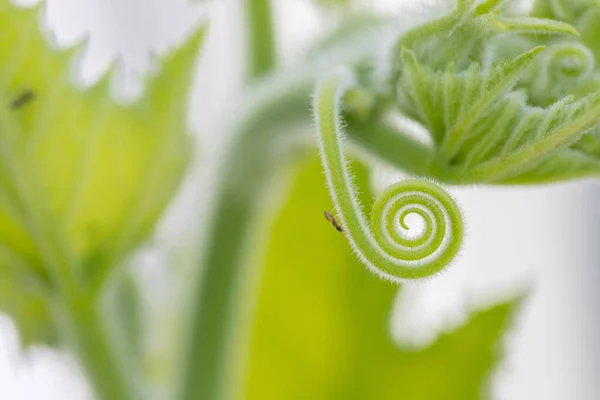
(23, 99)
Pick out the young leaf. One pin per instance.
(461, 99)
(321, 328)
(462, 35)
(484, 132)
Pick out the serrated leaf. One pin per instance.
(462, 36)
(450, 103)
(485, 132)
(536, 143)
(321, 329)
(565, 164)
(83, 179)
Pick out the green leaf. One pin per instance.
(450, 103)
(486, 132)
(321, 329)
(30, 313)
(82, 178)
(462, 36)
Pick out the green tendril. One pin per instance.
(385, 246)
(560, 70)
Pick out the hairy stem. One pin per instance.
(383, 247)
(260, 38)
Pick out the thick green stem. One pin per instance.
(82, 326)
(260, 38)
(210, 367)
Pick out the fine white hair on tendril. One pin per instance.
(379, 245)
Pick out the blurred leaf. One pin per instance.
(82, 178)
(29, 310)
(322, 324)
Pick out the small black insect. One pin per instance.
(333, 221)
(23, 99)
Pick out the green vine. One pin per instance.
(383, 247)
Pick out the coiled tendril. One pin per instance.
(560, 69)
(385, 247)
